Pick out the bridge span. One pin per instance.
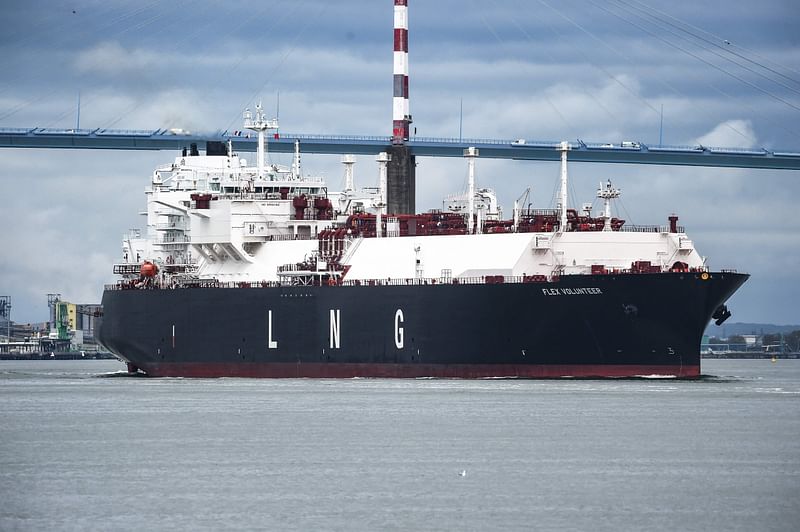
(521, 149)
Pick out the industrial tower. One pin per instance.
(401, 178)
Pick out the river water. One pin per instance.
(84, 449)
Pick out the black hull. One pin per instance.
(581, 326)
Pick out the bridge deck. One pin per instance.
(522, 149)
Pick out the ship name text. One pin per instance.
(590, 291)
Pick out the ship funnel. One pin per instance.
(401, 117)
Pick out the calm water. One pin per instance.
(79, 451)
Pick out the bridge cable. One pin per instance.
(710, 85)
(716, 67)
(593, 36)
(43, 74)
(288, 52)
(501, 42)
(559, 36)
(729, 46)
(142, 100)
(709, 49)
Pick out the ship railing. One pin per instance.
(177, 226)
(282, 237)
(648, 229)
(173, 239)
(299, 267)
(260, 196)
(487, 279)
(212, 283)
(416, 281)
(527, 213)
(127, 269)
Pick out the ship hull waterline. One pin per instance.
(618, 325)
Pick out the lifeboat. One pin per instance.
(148, 269)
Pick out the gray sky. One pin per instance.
(589, 69)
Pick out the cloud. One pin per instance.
(730, 133)
(111, 58)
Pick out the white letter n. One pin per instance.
(335, 328)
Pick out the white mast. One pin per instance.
(296, 161)
(516, 215)
(564, 148)
(260, 125)
(348, 161)
(348, 193)
(470, 154)
(607, 194)
(383, 159)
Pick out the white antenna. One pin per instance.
(516, 215)
(383, 159)
(296, 161)
(470, 154)
(607, 194)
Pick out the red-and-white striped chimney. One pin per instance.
(400, 113)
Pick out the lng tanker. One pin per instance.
(260, 271)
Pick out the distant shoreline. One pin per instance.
(64, 355)
(751, 354)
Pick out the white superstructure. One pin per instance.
(217, 218)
